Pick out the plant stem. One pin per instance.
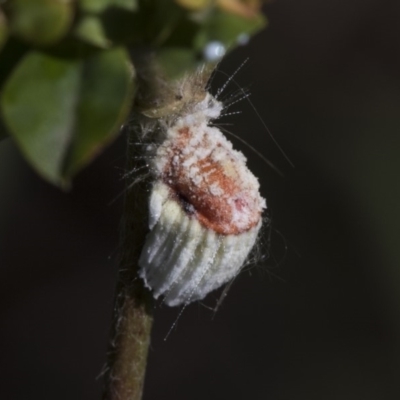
(132, 320)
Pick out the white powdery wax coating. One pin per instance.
(183, 260)
(205, 210)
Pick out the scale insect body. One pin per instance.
(205, 209)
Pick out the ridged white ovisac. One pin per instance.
(205, 209)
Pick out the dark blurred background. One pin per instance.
(320, 319)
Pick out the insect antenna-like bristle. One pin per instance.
(231, 113)
(230, 78)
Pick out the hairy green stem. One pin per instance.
(132, 320)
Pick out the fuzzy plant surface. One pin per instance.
(71, 72)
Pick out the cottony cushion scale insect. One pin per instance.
(205, 209)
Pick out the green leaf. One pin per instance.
(228, 29)
(97, 6)
(103, 22)
(105, 98)
(90, 29)
(38, 103)
(10, 55)
(62, 112)
(41, 22)
(175, 61)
